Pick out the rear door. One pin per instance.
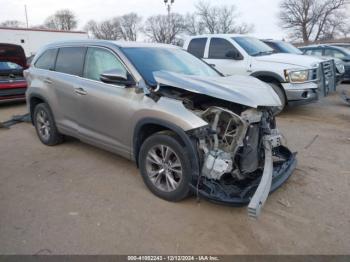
(197, 46)
(65, 86)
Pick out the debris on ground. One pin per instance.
(15, 120)
(284, 202)
(345, 97)
(312, 141)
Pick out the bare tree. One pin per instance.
(163, 28)
(130, 26)
(11, 23)
(193, 26)
(220, 19)
(310, 20)
(62, 20)
(108, 29)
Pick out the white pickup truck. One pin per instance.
(293, 77)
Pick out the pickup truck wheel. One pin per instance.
(45, 126)
(165, 167)
(281, 95)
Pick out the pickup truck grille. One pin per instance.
(314, 74)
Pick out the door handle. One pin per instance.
(80, 91)
(212, 65)
(48, 81)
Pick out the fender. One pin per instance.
(257, 74)
(177, 130)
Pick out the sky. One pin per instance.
(263, 14)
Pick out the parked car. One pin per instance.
(294, 78)
(344, 45)
(12, 63)
(187, 127)
(331, 51)
(285, 47)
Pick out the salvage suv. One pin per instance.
(293, 77)
(187, 127)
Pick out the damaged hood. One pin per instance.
(244, 90)
(13, 53)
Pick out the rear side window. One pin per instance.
(47, 60)
(219, 47)
(70, 60)
(197, 47)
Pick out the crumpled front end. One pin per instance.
(242, 157)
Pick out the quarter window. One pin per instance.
(47, 60)
(219, 48)
(197, 47)
(70, 60)
(98, 61)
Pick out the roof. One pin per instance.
(322, 45)
(218, 35)
(41, 30)
(120, 44)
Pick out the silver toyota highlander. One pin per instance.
(188, 128)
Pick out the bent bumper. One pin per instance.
(275, 176)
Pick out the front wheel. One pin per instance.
(165, 167)
(278, 90)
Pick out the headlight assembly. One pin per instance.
(297, 76)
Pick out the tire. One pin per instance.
(278, 90)
(45, 125)
(162, 185)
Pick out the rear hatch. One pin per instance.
(12, 62)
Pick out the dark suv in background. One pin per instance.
(331, 51)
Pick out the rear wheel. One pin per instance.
(165, 167)
(278, 90)
(45, 125)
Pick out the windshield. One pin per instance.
(9, 66)
(148, 60)
(288, 48)
(253, 46)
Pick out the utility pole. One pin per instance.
(168, 4)
(25, 10)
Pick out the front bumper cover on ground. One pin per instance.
(222, 194)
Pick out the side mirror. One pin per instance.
(116, 76)
(346, 59)
(233, 54)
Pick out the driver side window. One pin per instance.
(98, 61)
(219, 47)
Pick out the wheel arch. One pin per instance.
(34, 100)
(270, 77)
(146, 127)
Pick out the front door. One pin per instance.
(105, 109)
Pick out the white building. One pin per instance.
(33, 39)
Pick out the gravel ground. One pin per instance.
(76, 199)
